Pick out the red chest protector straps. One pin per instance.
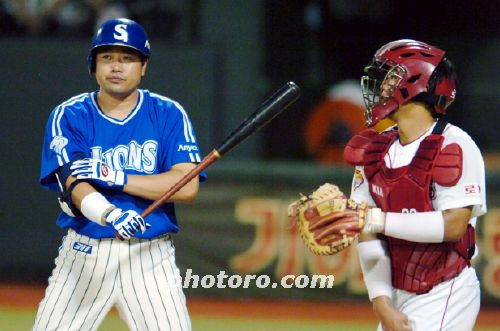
(416, 267)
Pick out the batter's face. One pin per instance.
(119, 70)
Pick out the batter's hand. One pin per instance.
(98, 172)
(126, 223)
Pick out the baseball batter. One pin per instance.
(426, 182)
(110, 153)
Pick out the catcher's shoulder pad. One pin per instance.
(448, 167)
(420, 170)
(355, 149)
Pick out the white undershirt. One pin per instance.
(401, 155)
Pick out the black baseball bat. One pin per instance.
(274, 105)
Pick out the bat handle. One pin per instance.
(207, 161)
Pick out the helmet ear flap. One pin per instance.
(91, 61)
(446, 92)
(440, 97)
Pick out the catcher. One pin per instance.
(424, 181)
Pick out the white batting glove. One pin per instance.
(126, 223)
(99, 172)
(375, 221)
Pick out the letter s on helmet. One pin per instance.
(121, 32)
(399, 72)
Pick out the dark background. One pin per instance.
(258, 45)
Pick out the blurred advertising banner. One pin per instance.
(239, 226)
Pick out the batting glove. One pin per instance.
(126, 223)
(98, 172)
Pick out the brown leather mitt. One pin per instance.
(328, 222)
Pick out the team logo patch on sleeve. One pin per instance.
(81, 247)
(472, 189)
(58, 143)
(358, 179)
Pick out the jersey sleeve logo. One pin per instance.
(58, 143)
(187, 148)
(194, 156)
(472, 189)
(358, 179)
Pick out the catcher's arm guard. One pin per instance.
(328, 222)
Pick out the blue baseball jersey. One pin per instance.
(156, 135)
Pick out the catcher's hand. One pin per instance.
(328, 221)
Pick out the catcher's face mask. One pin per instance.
(378, 87)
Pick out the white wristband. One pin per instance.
(423, 227)
(376, 267)
(93, 206)
(375, 221)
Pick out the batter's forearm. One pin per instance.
(80, 191)
(152, 187)
(90, 202)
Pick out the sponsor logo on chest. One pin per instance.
(377, 190)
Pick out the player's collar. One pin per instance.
(114, 120)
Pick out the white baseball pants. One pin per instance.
(452, 305)
(139, 277)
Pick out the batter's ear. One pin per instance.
(144, 67)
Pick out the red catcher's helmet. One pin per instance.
(400, 71)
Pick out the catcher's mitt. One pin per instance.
(328, 221)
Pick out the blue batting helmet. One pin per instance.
(121, 32)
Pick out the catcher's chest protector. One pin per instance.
(416, 267)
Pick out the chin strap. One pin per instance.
(440, 126)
